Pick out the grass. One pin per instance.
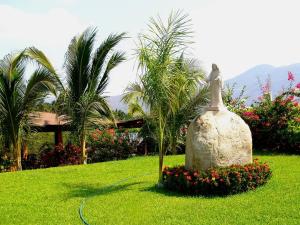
(53, 196)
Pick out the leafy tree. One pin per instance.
(166, 80)
(18, 98)
(87, 74)
(121, 115)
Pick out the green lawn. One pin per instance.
(53, 196)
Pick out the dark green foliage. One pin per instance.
(87, 74)
(111, 145)
(18, 97)
(275, 124)
(52, 156)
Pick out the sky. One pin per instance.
(234, 34)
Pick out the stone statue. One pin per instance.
(217, 137)
(215, 87)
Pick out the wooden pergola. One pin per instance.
(136, 123)
(50, 122)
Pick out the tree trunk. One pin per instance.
(145, 148)
(161, 159)
(17, 156)
(173, 148)
(24, 150)
(83, 149)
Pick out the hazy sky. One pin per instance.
(235, 34)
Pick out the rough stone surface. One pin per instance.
(217, 139)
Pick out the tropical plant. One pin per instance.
(87, 73)
(279, 116)
(164, 81)
(190, 96)
(18, 98)
(234, 103)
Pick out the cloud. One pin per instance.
(50, 31)
(240, 34)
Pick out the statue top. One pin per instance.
(215, 87)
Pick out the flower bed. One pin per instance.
(216, 181)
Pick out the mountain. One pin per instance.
(261, 73)
(249, 78)
(115, 102)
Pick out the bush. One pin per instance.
(110, 145)
(275, 124)
(52, 156)
(5, 164)
(216, 181)
(31, 162)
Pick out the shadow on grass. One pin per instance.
(163, 191)
(87, 191)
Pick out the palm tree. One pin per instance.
(162, 84)
(87, 73)
(18, 98)
(190, 96)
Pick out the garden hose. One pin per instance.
(83, 202)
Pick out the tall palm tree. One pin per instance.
(189, 97)
(87, 74)
(17, 97)
(161, 81)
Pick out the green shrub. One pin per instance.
(52, 156)
(5, 164)
(216, 181)
(275, 123)
(105, 145)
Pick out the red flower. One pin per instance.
(291, 76)
(296, 104)
(298, 85)
(291, 98)
(266, 124)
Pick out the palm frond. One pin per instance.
(40, 84)
(114, 60)
(102, 52)
(77, 62)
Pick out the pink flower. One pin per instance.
(291, 98)
(298, 85)
(291, 76)
(266, 88)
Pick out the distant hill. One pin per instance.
(278, 76)
(116, 103)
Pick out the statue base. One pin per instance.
(217, 138)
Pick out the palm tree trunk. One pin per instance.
(24, 150)
(161, 161)
(161, 153)
(173, 148)
(83, 149)
(17, 156)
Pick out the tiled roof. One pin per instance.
(42, 119)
